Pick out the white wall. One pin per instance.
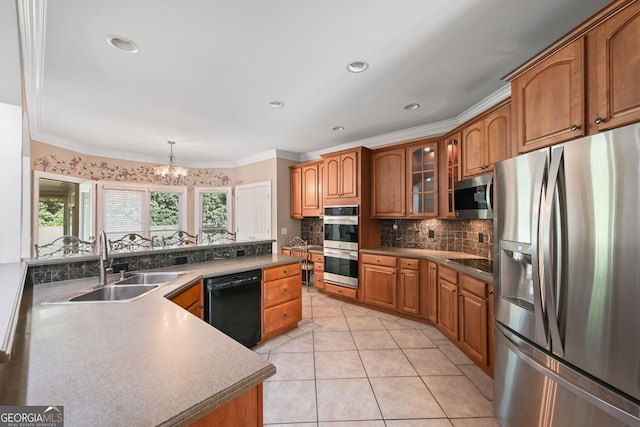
(10, 182)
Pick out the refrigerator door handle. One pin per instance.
(550, 237)
(542, 336)
(582, 386)
(488, 191)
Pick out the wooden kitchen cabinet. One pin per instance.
(486, 141)
(281, 299)
(409, 286)
(448, 302)
(451, 173)
(378, 280)
(422, 180)
(192, 299)
(341, 178)
(473, 326)
(318, 271)
(432, 290)
(311, 190)
(245, 410)
(388, 195)
(295, 206)
(306, 190)
(617, 53)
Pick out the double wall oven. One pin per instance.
(341, 245)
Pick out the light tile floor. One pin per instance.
(350, 366)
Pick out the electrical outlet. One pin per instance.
(432, 234)
(284, 231)
(481, 237)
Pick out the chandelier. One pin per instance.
(171, 173)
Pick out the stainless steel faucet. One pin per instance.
(103, 258)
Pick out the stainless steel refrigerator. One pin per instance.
(567, 282)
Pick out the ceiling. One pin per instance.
(206, 71)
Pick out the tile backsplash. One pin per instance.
(447, 235)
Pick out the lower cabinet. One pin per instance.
(409, 286)
(244, 410)
(192, 299)
(318, 271)
(341, 291)
(378, 279)
(464, 314)
(281, 299)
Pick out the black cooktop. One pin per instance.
(481, 264)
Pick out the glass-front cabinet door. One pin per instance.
(422, 176)
(452, 173)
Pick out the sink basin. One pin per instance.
(114, 293)
(148, 278)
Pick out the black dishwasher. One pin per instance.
(232, 305)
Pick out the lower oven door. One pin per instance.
(341, 267)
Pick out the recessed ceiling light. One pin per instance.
(357, 66)
(338, 129)
(276, 104)
(412, 106)
(122, 43)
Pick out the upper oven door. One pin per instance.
(341, 232)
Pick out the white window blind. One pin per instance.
(124, 211)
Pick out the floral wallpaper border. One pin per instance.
(77, 166)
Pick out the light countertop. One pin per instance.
(143, 362)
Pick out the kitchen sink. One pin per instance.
(114, 293)
(148, 278)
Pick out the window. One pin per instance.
(151, 211)
(212, 211)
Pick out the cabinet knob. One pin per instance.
(459, 295)
(284, 314)
(490, 292)
(284, 271)
(599, 120)
(575, 127)
(284, 289)
(453, 290)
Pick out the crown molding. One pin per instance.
(422, 131)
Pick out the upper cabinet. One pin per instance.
(450, 173)
(388, 199)
(617, 55)
(422, 180)
(306, 190)
(341, 184)
(296, 191)
(549, 99)
(585, 83)
(405, 181)
(486, 141)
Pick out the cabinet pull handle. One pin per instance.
(575, 127)
(599, 120)
(490, 292)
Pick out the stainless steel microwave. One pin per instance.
(473, 197)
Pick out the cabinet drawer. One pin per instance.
(317, 258)
(448, 274)
(387, 261)
(472, 285)
(281, 271)
(340, 290)
(282, 316)
(409, 263)
(279, 291)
